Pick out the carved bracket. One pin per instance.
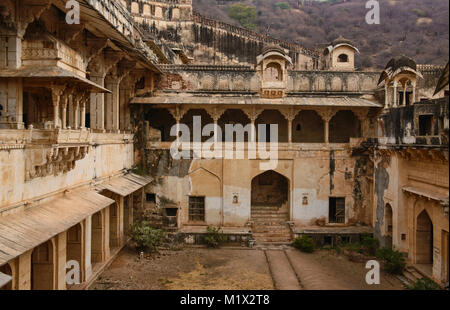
(46, 161)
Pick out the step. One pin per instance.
(257, 209)
(273, 240)
(270, 216)
(269, 212)
(272, 228)
(272, 223)
(271, 235)
(414, 272)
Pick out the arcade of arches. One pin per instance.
(305, 126)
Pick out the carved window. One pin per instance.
(337, 210)
(197, 209)
(343, 58)
(273, 72)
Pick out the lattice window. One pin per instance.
(337, 210)
(197, 209)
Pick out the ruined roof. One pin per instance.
(443, 80)
(398, 65)
(342, 101)
(49, 74)
(28, 228)
(401, 61)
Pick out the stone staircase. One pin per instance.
(410, 276)
(269, 225)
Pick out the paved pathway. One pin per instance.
(283, 275)
(312, 276)
(293, 270)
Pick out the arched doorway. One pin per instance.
(270, 207)
(97, 238)
(424, 239)
(388, 220)
(42, 267)
(74, 249)
(6, 269)
(127, 214)
(114, 239)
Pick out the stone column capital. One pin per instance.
(326, 114)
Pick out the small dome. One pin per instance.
(273, 48)
(401, 61)
(342, 40)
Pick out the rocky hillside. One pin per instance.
(416, 28)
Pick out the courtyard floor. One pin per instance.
(196, 268)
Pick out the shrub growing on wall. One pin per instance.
(393, 260)
(144, 237)
(214, 237)
(304, 244)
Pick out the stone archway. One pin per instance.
(42, 267)
(424, 239)
(114, 229)
(270, 207)
(75, 247)
(7, 270)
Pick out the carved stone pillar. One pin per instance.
(83, 114)
(57, 91)
(76, 113)
(362, 116)
(97, 105)
(404, 94)
(394, 104)
(253, 114)
(386, 94)
(327, 115)
(112, 104)
(414, 93)
(65, 100)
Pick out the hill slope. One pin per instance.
(416, 28)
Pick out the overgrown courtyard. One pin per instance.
(236, 268)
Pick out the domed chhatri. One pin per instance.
(273, 48)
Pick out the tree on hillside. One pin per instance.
(244, 14)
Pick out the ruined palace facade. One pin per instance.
(89, 120)
(66, 148)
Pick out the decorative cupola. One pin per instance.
(400, 80)
(340, 55)
(272, 66)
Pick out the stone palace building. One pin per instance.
(90, 113)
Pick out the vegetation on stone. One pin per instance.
(214, 237)
(393, 260)
(304, 244)
(146, 238)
